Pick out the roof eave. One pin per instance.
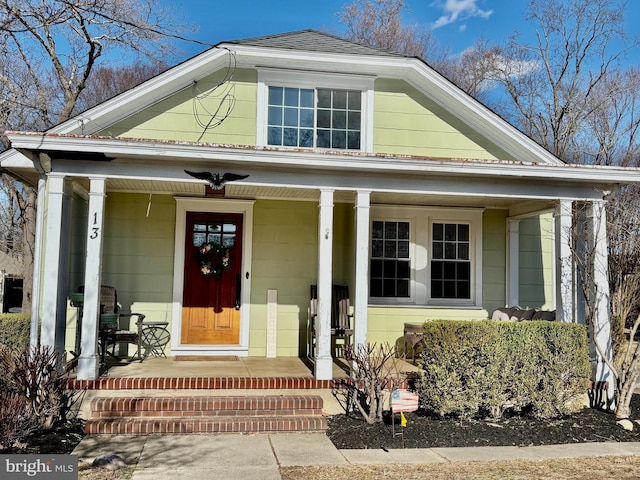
(250, 156)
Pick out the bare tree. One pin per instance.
(554, 82)
(49, 52)
(379, 23)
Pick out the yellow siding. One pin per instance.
(137, 256)
(286, 259)
(386, 324)
(180, 117)
(406, 122)
(494, 259)
(536, 262)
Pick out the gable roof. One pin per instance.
(330, 54)
(313, 41)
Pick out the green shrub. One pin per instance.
(485, 368)
(15, 330)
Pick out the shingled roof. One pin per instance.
(313, 41)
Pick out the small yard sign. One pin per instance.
(403, 400)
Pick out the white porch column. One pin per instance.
(63, 271)
(361, 299)
(323, 360)
(600, 318)
(565, 305)
(52, 264)
(37, 263)
(513, 263)
(88, 363)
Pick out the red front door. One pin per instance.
(211, 298)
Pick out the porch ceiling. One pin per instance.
(240, 191)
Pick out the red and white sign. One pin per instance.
(404, 401)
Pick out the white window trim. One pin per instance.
(286, 78)
(421, 220)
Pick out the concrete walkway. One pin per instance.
(259, 456)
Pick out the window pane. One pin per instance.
(436, 270)
(340, 99)
(436, 289)
(376, 248)
(324, 139)
(354, 121)
(403, 288)
(353, 141)
(403, 230)
(324, 98)
(214, 237)
(291, 97)
(306, 118)
(306, 98)
(403, 270)
(338, 140)
(339, 119)
(199, 227)
(448, 270)
(199, 239)
(464, 290)
(463, 271)
(388, 287)
(390, 230)
(229, 241)
(229, 227)
(274, 136)
(375, 288)
(438, 250)
(275, 95)
(376, 268)
(438, 231)
(291, 117)
(377, 230)
(450, 251)
(449, 289)
(463, 233)
(463, 251)
(275, 116)
(290, 137)
(403, 249)
(306, 138)
(390, 249)
(450, 230)
(324, 118)
(214, 228)
(354, 100)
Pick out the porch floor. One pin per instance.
(247, 367)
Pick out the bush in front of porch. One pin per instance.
(486, 368)
(15, 330)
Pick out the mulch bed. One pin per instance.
(426, 431)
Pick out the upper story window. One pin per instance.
(315, 110)
(305, 117)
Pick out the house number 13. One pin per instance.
(94, 230)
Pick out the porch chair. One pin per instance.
(341, 316)
(111, 322)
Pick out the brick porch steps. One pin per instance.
(201, 383)
(200, 414)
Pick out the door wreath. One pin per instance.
(213, 258)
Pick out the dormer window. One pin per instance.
(321, 117)
(307, 110)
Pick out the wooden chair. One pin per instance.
(341, 316)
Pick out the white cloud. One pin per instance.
(463, 27)
(455, 10)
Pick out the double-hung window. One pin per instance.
(425, 256)
(314, 111)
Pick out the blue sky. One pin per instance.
(455, 23)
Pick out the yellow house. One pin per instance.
(213, 195)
